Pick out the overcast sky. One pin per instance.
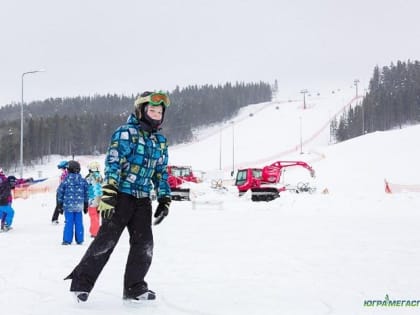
(127, 46)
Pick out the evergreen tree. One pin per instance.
(83, 125)
(393, 101)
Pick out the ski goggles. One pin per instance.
(155, 99)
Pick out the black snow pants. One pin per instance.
(55, 213)
(136, 215)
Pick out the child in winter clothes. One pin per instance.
(135, 165)
(72, 198)
(2, 214)
(6, 211)
(94, 180)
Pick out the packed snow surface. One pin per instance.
(219, 254)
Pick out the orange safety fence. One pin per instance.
(24, 191)
(391, 188)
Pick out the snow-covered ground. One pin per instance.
(301, 254)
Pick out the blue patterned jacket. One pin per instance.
(136, 161)
(73, 193)
(94, 180)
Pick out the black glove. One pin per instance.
(59, 208)
(108, 201)
(162, 209)
(85, 207)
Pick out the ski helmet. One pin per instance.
(93, 166)
(151, 99)
(12, 181)
(63, 164)
(73, 167)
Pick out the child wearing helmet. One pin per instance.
(94, 180)
(72, 198)
(135, 164)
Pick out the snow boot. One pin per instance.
(147, 295)
(6, 228)
(81, 296)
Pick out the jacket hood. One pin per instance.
(132, 119)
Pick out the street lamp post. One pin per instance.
(220, 150)
(300, 127)
(233, 147)
(21, 122)
(356, 84)
(304, 91)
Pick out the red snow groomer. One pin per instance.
(178, 175)
(265, 182)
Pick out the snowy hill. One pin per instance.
(300, 254)
(262, 133)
